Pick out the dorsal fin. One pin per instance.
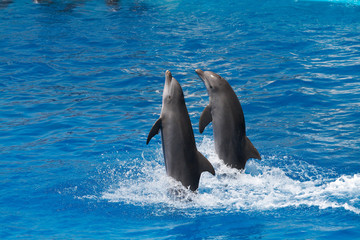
(154, 130)
(250, 150)
(204, 164)
(205, 118)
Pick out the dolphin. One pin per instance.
(225, 112)
(183, 161)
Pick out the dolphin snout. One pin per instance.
(168, 77)
(199, 71)
(168, 74)
(201, 74)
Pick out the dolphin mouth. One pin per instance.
(168, 83)
(168, 78)
(200, 73)
(203, 78)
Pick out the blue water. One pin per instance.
(81, 85)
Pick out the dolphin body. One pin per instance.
(225, 112)
(183, 162)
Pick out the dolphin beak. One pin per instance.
(167, 85)
(168, 77)
(200, 73)
(203, 77)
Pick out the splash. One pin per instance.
(261, 187)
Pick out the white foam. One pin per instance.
(261, 187)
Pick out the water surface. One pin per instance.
(81, 85)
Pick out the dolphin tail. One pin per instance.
(154, 130)
(204, 164)
(250, 150)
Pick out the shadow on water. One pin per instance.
(113, 4)
(5, 3)
(69, 6)
(66, 6)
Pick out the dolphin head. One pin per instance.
(172, 90)
(213, 82)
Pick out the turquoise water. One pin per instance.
(81, 85)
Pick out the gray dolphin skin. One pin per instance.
(225, 112)
(183, 162)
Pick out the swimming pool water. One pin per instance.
(81, 85)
